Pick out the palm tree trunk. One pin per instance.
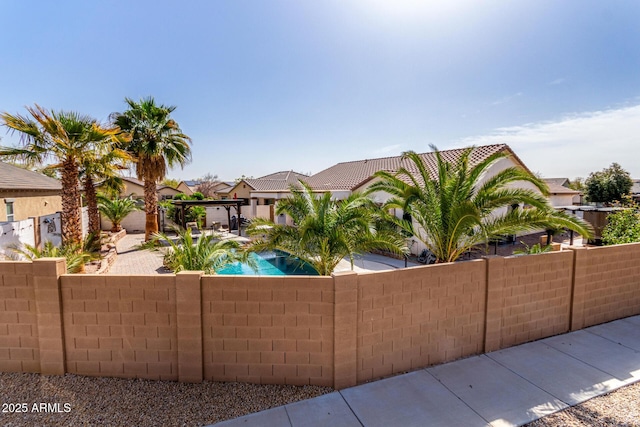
(151, 209)
(71, 219)
(92, 203)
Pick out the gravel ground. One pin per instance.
(124, 402)
(620, 408)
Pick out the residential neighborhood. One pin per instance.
(339, 213)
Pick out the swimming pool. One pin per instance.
(274, 263)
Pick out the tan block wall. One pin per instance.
(607, 284)
(120, 326)
(30, 204)
(336, 331)
(268, 329)
(19, 344)
(419, 316)
(531, 297)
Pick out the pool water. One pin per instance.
(271, 264)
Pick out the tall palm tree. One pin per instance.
(457, 208)
(326, 230)
(64, 138)
(157, 142)
(101, 166)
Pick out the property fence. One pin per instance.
(35, 231)
(334, 331)
(16, 233)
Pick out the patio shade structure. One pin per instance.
(227, 204)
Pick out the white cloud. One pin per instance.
(506, 99)
(557, 82)
(574, 145)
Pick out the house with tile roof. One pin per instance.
(135, 188)
(25, 193)
(345, 178)
(560, 194)
(188, 187)
(263, 192)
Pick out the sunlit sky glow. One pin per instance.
(280, 84)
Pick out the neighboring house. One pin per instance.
(635, 190)
(188, 187)
(224, 189)
(262, 193)
(267, 188)
(557, 181)
(134, 187)
(348, 177)
(560, 194)
(24, 193)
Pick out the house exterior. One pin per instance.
(134, 187)
(264, 191)
(188, 187)
(346, 178)
(635, 190)
(24, 194)
(560, 194)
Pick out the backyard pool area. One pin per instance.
(272, 263)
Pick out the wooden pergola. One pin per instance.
(227, 204)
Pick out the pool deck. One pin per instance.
(133, 261)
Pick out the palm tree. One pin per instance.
(116, 210)
(206, 254)
(157, 142)
(77, 255)
(101, 165)
(458, 209)
(64, 138)
(325, 230)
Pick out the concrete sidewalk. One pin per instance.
(509, 387)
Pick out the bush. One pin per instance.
(206, 254)
(75, 255)
(609, 185)
(532, 250)
(623, 227)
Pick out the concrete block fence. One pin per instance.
(335, 331)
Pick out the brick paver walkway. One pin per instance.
(133, 261)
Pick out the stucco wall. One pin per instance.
(29, 204)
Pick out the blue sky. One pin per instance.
(263, 86)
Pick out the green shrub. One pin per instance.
(623, 227)
(75, 256)
(532, 250)
(206, 254)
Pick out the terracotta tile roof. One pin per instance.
(278, 181)
(15, 178)
(141, 183)
(559, 189)
(351, 175)
(558, 181)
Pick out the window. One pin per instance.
(10, 215)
